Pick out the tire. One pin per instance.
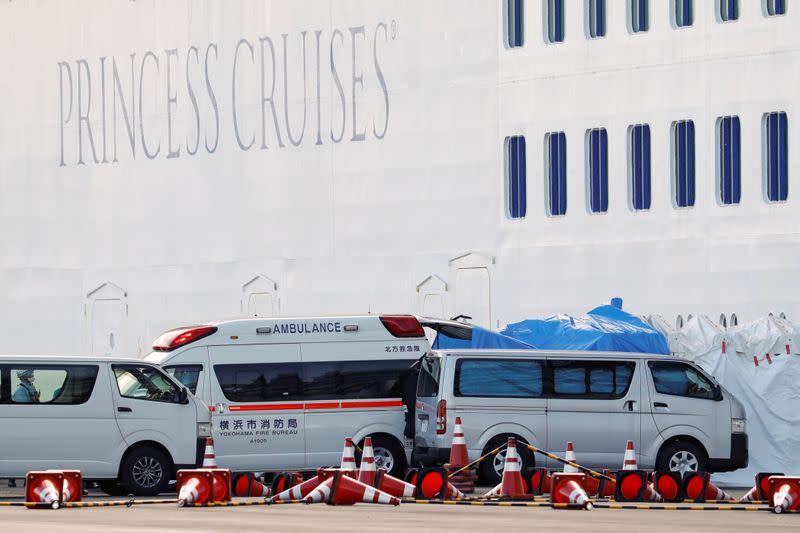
(682, 456)
(492, 467)
(112, 487)
(145, 471)
(387, 452)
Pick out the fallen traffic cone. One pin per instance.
(669, 485)
(512, 485)
(396, 487)
(411, 476)
(629, 463)
(43, 489)
(220, 484)
(367, 470)
(785, 493)
(321, 493)
(537, 481)
(209, 457)
(73, 486)
(341, 489)
(567, 489)
(248, 485)
(760, 490)
(285, 480)
(569, 455)
(348, 464)
(301, 490)
(631, 486)
(433, 483)
(607, 487)
(194, 486)
(697, 486)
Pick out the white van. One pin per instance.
(679, 418)
(122, 422)
(285, 392)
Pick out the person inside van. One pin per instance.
(26, 392)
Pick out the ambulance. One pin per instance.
(285, 392)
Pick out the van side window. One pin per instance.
(428, 380)
(48, 384)
(188, 375)
(592, 379)
(499, 378)
(680, 379)
(259, 382)
(145, 383)
(355, 379)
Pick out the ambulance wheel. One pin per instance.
(682, 457)
(112, 487)
(491, 469)
(388, 455)
(145, 471)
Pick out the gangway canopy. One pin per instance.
(604, 328)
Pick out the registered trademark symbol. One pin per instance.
(394, 29)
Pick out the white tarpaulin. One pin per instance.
(760, 366)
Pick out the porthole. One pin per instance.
(723, 320)
(679, 322)
(734, 320)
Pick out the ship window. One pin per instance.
(639, 15)
(728, 10)
(595, 13)
(683, 11)
(556, 172)
(639, 166)
(730, 160)
(515, 176)
(775, 7)
(515, 29)
(683, 162)
(597, 169)
(776, 169)
(734, 320)
(555, 20)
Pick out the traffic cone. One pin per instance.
(305, 488)
(760, 490)
(367, 470)
(697, 486)
(669, 485)
(341, 489)
(209, 457)
(631, 486)
(785, 493)
(537, 481)
(512, 485)
(194, 486)
(285, 480)
(569, 455)
(348, 464)
(248, 485)
(432, 483)
(607, 487)
(220, 485)
(43, 489)
(459, 457)
(567, 488)
(393, 486)
(321, 493)
(73, 486)
(629, 463)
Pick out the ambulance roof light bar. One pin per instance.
(175, 338)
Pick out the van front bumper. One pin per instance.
(429, 456)
(740, 455)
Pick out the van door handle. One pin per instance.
(630, 405)
(660, 404)
(124, 409)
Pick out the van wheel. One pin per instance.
(388, 455)
(112, 487)
(682, 457)
(491, 469)
(145, 471)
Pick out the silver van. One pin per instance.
(679, 417)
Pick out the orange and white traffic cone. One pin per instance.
(209, 457)
(367, 470)
(465, 479)
(248, 485)
(760, 491)
(348, 464)
(43, 489)
(348, 491)
(512, 484)
(73, 486)
(629, 463)
(194, 486)
(321, 493)
(785, 491)
(567, 489)
(391, 485)
(433, 483)
(304, 489)
(569, 455)
(220, 485)
(285, 480)
(697, 486)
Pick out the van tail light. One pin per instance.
(441, 417)
(175, 338)
(403, 325)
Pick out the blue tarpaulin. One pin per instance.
(605, 328)
(481, 338)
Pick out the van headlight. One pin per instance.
(204, 429)
(738, 425)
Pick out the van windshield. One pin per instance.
(428, 381)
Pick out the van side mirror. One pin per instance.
(717, 393)
(183, 396)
